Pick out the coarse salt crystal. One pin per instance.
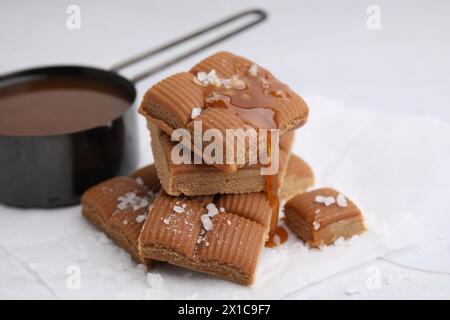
(212, 210)
(316, 225)
(139, 181)
(125, 222)
(341, 200)
(166, 221)
(253, 70)
(222, 209)
(178, 209)
(325, 200)
(317, 211)
(229, 222)
(195, 112)
(329, 201)
(201, 76)
(140, 218)
(206, 221)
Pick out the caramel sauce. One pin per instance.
(58, 105)
(282, 236)
(257, 103)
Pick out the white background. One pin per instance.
(323, 47)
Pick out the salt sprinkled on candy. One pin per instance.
(341, 201)
(212, 209)
(206, 221)
(178, 209)
(166, 221)
(319, 199)
(213, 78)
(222, 209)
(140, 218)
(125, 222)
(201, 76)
(329, 201)
(130, 199)
(195, 112)
(253, 70)
(316, 225)
(325, 200)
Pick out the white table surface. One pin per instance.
(324, 47)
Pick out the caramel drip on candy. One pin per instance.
(271, 188)
(253, 94)
(254, 99)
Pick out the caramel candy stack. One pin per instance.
(209, 216)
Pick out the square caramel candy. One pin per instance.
(189, 179)
(119, 207)
(299, 177)
(224, 91)
(221, 237)
(321, 216)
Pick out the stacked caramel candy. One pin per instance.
(214, 212)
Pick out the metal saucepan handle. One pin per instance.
(260, 16)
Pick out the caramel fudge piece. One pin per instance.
(206, 235)
(203, 179)
(322, 216)
(224, 91)
(298, 178)
(119, 208)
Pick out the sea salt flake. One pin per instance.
(213, 79)
(140, 218)
(316, 225)
(229, 222)
(139, 181)
(222, 209)
(206, 221)
(212, 210)
(201, 76)
(195, 112)
(253, 70)
(130, 199)
(317, 211)
(166, 221)
(325, 200)
(341, 200)
(178, 209)
(125, 222)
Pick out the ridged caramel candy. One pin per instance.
(321, 216)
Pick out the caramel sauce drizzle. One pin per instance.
(256, 104)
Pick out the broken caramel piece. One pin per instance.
(119, 207)
(322, 216)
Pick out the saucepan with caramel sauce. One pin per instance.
(66, 128)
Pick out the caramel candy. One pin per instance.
(119, 208)
(299, 177)
(199, 234)
(202, 179)
(224, 91)
(322, 216)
